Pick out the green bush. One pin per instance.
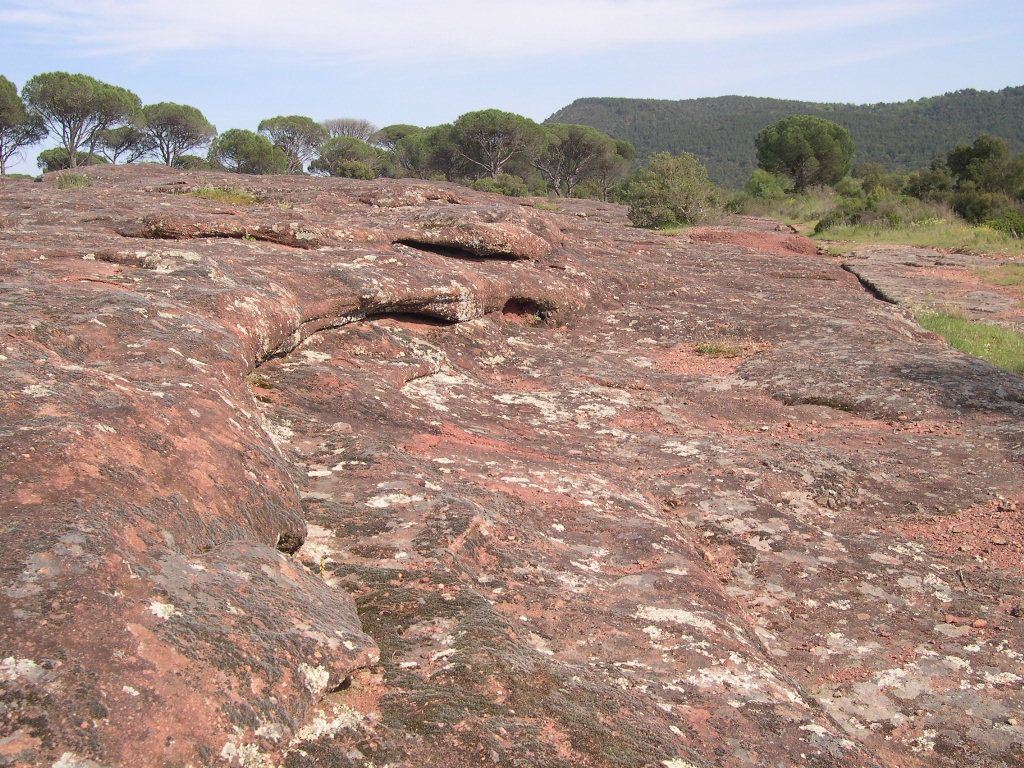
(934, 185)
(73, 181)
(874, 177)
(850, 187)
(505, 184)
(768, 186)
(353, 169)
(883, 210)
(57, 159)
(672, 191)
(1008, 222)
(977, 206)
(191, 163)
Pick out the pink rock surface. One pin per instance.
(398, 473)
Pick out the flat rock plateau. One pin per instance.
(395, 473)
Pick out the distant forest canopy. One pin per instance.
(721, 131)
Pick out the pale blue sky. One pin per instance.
(424, 62)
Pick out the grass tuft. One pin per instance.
(73, 181)
(718, 349)
(993, 343)
(222, 195)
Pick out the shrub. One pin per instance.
(352, 169)
(718, 349)
(977, 206)
(191, 163)
(1008, 222)
(883, 210)
(505, 184)
(768, 186)
(73, 181)
(850, 187)
(934, 185)
(57, 159)
(672, 191)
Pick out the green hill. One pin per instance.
(721, 131)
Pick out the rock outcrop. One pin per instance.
(398, 473)
(921, 277)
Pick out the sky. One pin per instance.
(428, 61)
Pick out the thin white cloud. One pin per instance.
(408, 30)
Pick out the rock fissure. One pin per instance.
(869, 285)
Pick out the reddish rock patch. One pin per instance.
(982, 537)
(779, 243)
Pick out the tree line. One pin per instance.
(904, 136)
(94, 122)
(981, 183)
(491, 150)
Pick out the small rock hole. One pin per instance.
(289, 542)
(525, 311)
(344, 685)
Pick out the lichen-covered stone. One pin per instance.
(432, 477)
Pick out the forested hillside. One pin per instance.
(721, 131)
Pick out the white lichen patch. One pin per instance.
(71, 760)
(545, 402)
(37, 390)
(675, 616)
(280, 432)
(758, 685)
(12, 669)
(327, 725)
(272, 731)
(682, 449)
(435, 389)
(924, 743)
(245, 755)
(386, 500)
(540, 644)
(316, 678)
(162, 610)
(189, 256)
(319, 545)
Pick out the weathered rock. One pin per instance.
(461, 482)
(920, 278)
